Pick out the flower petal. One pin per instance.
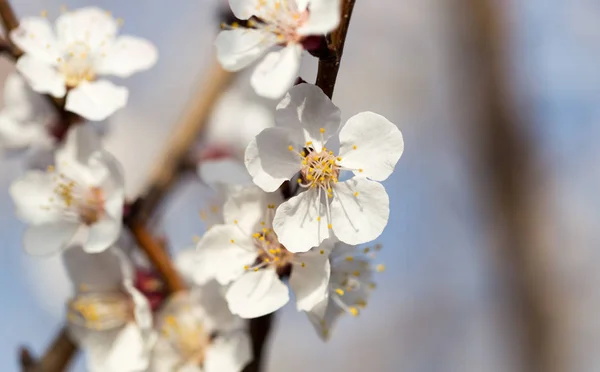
(276, 158)
(306, 106)
(50, 238)
(129, 351)
(301, 222)
(102, 235)
(96, 272)
(257, 293)
(227, 171)
(35, 37)
(32, 195)
(238, 48)
(310, 281)
(324, 17)
(96, 101)
(210, 299)
(372, 143)
(277, 72)
(221, 259)
(323, 321)
(16, 135)
(80, 144)
(90, 25)
(42, 77)
(359, 210)
(142, 309)
(242, 9)
(254, 165)
(229, 353)
(126, 56)
(248, 207)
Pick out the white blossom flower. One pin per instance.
(108, 317)
(355, 211)
(199, 334)
(27, 117)
(350, 286)
(79, 199)
(68, 59)
(274, 22)
(245, 253)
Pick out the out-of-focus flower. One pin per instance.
(235, 121)
(270, 23)
(108, 317)
(356, 210)
(68, 59)
(199, 334)
(26, 118)
(79, 199)
(245, 253)
(350, 286)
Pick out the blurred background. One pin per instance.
(491, 252)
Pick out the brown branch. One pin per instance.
(329, 65)
(9, 22)
(260, 328)
(508, 167)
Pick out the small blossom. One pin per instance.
(354, 211)
(350, 286)
(108, 317)
(27, 117)
(68, 59)
(80, 198)
(199, 334)
(245, 254)
(273, 22)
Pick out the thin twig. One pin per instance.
(329, 65)
(9, 22)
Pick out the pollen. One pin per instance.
(322, 130)
(349, 258)
(303, 264)
(235, 222)
(356, 193)
(353, 310)
(360, 170)
(339, 291)
(232, 241)
(380, 268)
(329, 226)
(354, 147)
(291, 148)
(322, 251)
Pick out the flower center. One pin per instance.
(100, 311)
(319, 169)
(85, 204)
(77, 64)
(281, 18)
(187, 335)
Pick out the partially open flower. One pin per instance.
(26, 118)
(354, 211)
(107, 316)
(80, 197)
(199, 334)
(68, 59)
(246, 253)
(350, 286)
(274, 22)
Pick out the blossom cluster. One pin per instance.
(294, 212)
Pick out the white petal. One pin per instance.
(324, 17)
(257, 293)
(126, 56)
(227, 171)
(230, 353)
(96, 272)
(276, 159)
(35, 37)
(247, 208)
(310, 281)
(323, 321)
(210, 298)
(142, 309)
(306, 106)
(361, 218)
(80, 144)
(238, 48)
(32, 194)
(242, 9)
(221, 259)
(15, 135)
(102, 235)
(90, 25)
(277, 72)
(96, 101)
(129, 352)
(50, 238)
(254, 165)
(25, 105)
(42, 77)
(301, 222)
(186, 261)
(378, 142)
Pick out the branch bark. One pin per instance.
(9, 22)
(329, 65)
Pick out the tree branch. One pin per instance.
(9, 22)
(329, 65)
